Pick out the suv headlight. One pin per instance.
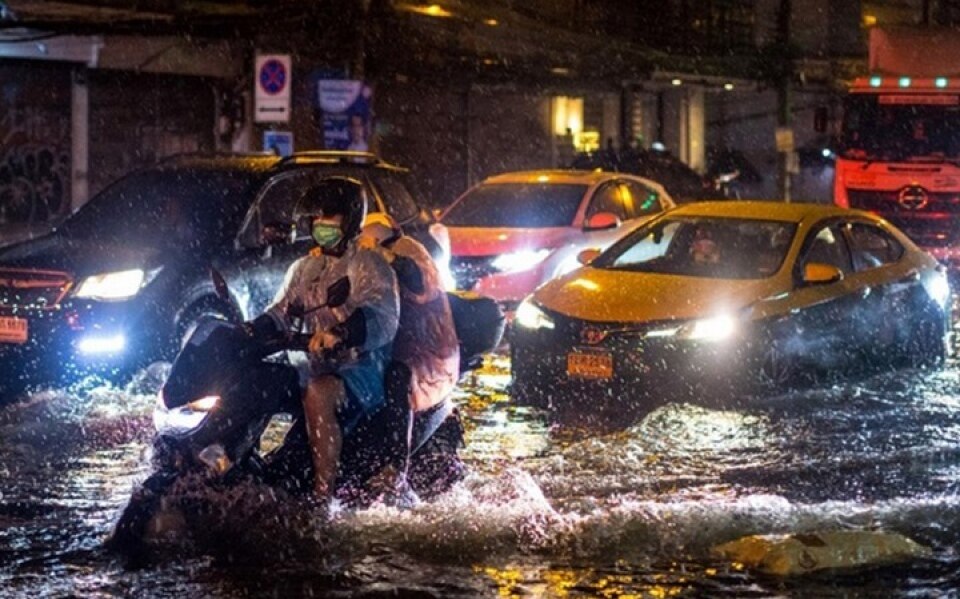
(117, 285)
(530, 316)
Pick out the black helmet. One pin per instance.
(332, 196)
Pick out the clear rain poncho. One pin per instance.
(373, 290)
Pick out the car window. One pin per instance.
(396, 198)
(828, 247)
(278, 202)
(527, 205)
(723, 248)
(872, 246)
(608, 198)
(640, 199)
(179, 208)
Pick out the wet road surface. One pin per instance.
(587, 508)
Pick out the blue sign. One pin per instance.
(347, 113)
(278, 142)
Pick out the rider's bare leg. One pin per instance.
(320, 403)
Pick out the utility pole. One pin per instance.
(785, 151)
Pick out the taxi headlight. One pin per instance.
(520, 261)
(529, 316)
(117, 285)
(716, 328)
(939, 289)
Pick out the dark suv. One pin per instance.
(121, 282)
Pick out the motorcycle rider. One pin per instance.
(351, 343)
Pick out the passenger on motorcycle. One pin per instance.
(351, 344)
(426, 340)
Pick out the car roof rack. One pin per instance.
(341, 156)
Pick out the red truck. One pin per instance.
(899, 151)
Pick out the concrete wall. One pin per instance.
(746, 121)
(136, 119)
(35, 142)
(453, 138)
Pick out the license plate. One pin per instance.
(590, 365)
(13, 330)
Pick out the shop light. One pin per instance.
(677, 82)
(491, 22)
(876, 81)
(728, 86)
(904, 82)
(940, 82)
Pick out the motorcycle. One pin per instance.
(231, 380)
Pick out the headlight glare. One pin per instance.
(113, 285)
(529, 316)
(204, 404)
(520, 261)
(716, 328)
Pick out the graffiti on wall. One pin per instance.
(34, 166)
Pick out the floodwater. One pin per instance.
(626, 509)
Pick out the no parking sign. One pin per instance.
(272, 74)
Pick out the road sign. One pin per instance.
(273, 74)
(278, 142)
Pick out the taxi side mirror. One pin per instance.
(587, 256)
(816, 273)
(601, 221)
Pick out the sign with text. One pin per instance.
(347, 114)
(272, 73)
(784, 139)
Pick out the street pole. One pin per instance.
(784, 119)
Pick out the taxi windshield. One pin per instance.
(719, 248)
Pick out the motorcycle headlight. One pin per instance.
(204, 404)
(117, 285)
(520, 261)
(529, 316)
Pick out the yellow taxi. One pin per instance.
(763, 293)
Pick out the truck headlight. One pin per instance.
(529, 316)
(117, 285)
(520, 261)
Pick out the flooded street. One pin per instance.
(548, 509)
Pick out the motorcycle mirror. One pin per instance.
(338, 292)
(220, 284)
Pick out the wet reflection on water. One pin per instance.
(550, 508)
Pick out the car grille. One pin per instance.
(934, 224)
(610, 335)
(888, 202)
(467, 270)
(32, 289)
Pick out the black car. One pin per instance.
(122, 281)
(682, 182)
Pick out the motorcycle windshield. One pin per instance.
(210, 356)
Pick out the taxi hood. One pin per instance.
(621, 296)
(482, 241)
